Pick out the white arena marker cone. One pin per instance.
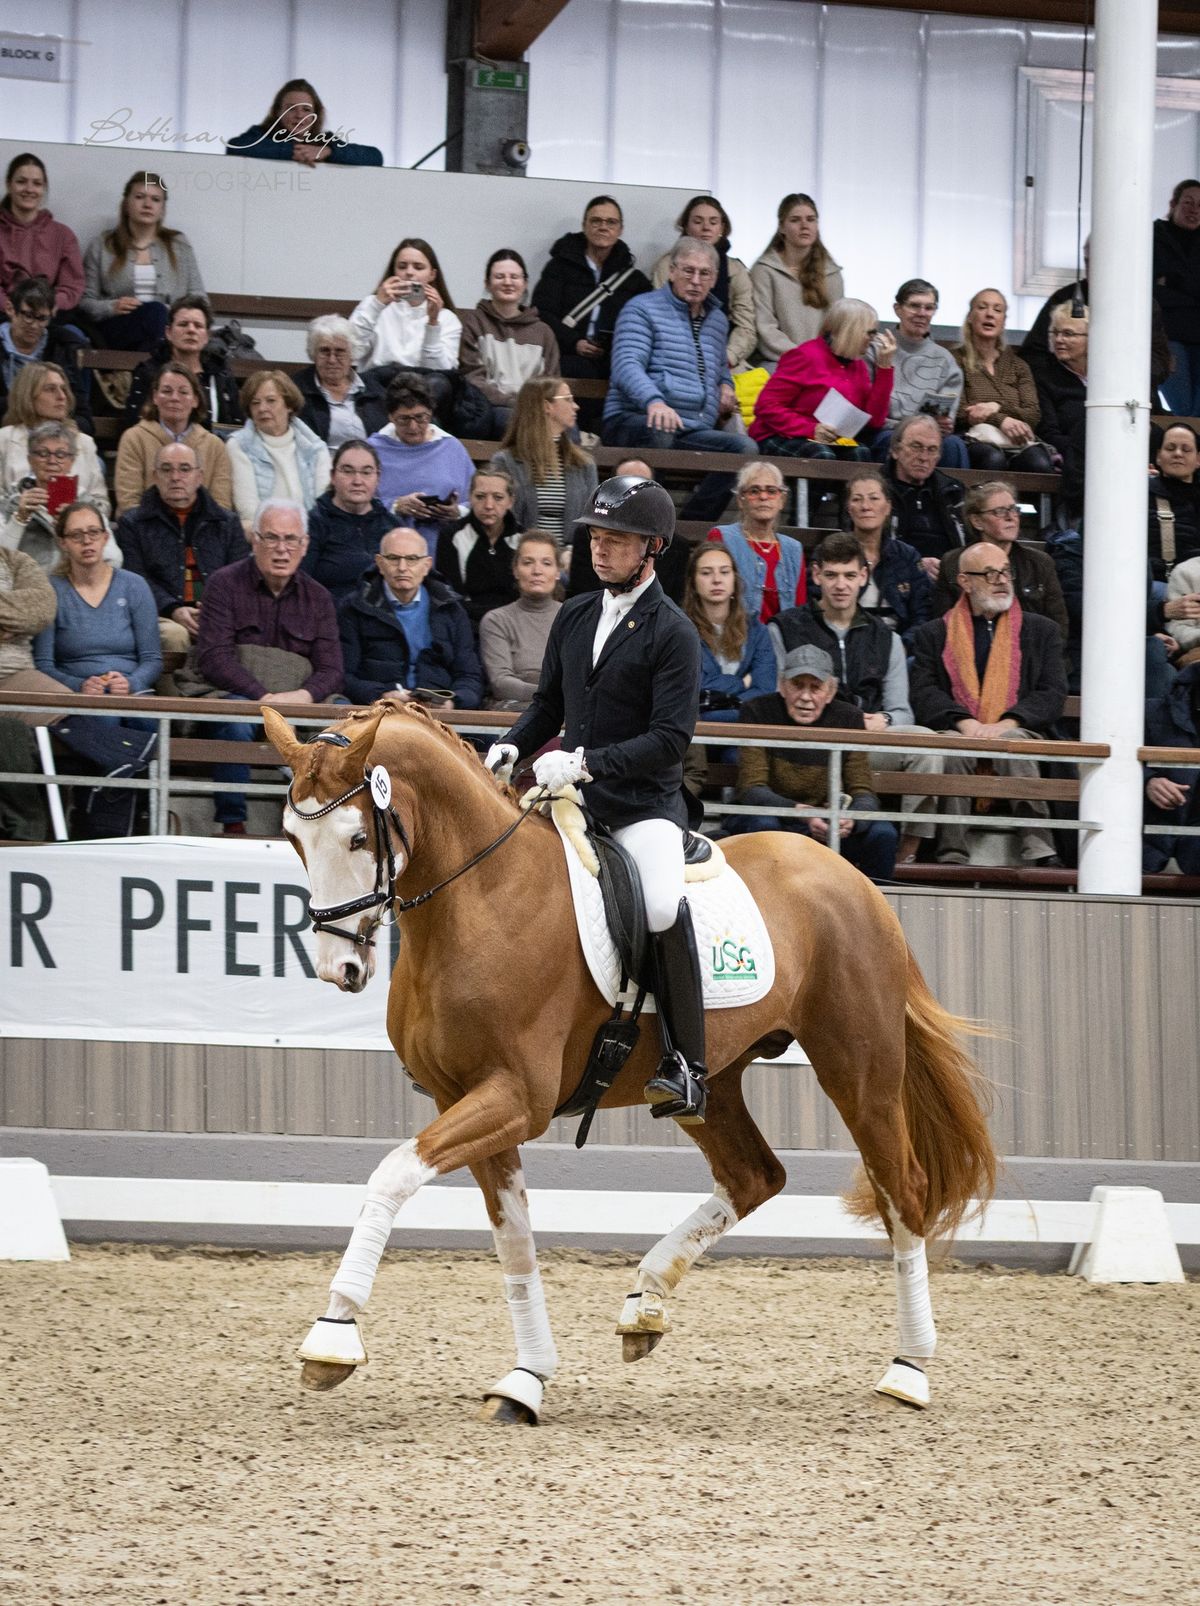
(1131, 1239)
(30, 1228)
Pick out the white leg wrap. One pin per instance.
(918, 1335)
(664, 1265)
(531, 1325)
(356, 1274)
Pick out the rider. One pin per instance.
(621, 679)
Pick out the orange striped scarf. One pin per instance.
(1001, 678)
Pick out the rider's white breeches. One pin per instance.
(656, 847)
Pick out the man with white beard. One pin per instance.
(989, 669)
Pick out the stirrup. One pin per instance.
(677, 1091)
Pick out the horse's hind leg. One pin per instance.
(517, 1397)
(745, 1175)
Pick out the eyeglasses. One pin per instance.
(604, 222)
(93, 533)
(408, 560)
(43, 455)
(992, 576)
(567, 398)
(762, 490)
(333, 351)
(1010, 510)
(289, 542)
(411, 418)
(32, 317)
(170, 470)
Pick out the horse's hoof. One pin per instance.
(516, 1398)
(496, 1408)
(323, 1375)
(636, 1346)
(905, 1382)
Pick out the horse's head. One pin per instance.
(345, 841)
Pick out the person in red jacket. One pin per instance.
(31, 242)
(852, 356)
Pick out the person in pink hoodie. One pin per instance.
(31, 242)
(785, 422)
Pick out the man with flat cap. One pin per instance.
(621, 679)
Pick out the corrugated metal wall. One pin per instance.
(1098, 1001)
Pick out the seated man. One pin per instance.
(267, 632)
(670, 567)
(405, 634)
(670, 385)
(30, 336)
(790, 778)
(871, 665)
(989, 670)
(927, 381)
(176, 538)
(926, 504)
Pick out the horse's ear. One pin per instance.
(362, 740)
(282, 737)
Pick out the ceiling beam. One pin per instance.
(505, 29)
(1174, 16)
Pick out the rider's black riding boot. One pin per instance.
(677, 1088)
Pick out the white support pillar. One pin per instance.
(1118, 423)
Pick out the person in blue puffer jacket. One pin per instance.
(670, 385)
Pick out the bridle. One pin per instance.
(383, 896)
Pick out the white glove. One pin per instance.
(558, 769)
(501, 756)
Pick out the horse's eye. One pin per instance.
(358, 840)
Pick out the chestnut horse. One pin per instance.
(391, 808)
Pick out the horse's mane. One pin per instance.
(446, 734)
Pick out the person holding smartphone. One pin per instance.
(424, 472)
(409, 317)
(28, 512)
(42, 394)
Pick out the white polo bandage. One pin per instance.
(355, 1276)
(914, 1313)
(531, 1323)
(663, 1266)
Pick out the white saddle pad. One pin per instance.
(737, 962)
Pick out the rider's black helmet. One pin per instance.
(634, 506)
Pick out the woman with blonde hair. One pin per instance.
(999, 412)
(553, 478)
(41, 394)
(274, 455)
(770, 564)
(785, 414)
(795, 280)
(136, 270)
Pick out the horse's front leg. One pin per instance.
(489, 1119)
(517, 1397)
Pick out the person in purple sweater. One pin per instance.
(852, 356)
(425, 474)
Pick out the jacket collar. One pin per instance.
(646, 605)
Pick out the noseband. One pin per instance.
(384, 894)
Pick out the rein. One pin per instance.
(384, 894)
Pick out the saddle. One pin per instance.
(624, 906)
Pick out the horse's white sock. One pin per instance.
(393, 1181)
(663, 1266)
(531, 1323)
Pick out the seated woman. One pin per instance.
(1062, 397)
(474, 554)
(512, 639)
(704, 218)
(553, 478)
(990, 513)
(340, 404)
(294, 131)
(770, 564)
(348, 522)
(898, 590)
(999, 413)
(32, 244)
(795, 280)
(28, 515)
(189, 323)
(103, 639)
(41, 394)
(27, 605)
(409, 319)
(425, 473)
(1175, 500)
(590, 276)
(785, 422)
(503, 342)
(273, 455)
(174, 413)
(29, 335)
(134, 272)
(736, 657)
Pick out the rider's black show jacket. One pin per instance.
(634, 714)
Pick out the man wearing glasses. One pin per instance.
(405, 635)
(989, 669)
(28, 337)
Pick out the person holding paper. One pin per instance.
(825, 399)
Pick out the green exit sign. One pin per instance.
(495, 78)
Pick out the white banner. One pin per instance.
(31, 55)
(173, 940)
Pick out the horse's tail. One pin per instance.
(946, 1098)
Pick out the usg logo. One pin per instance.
(733, 961)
